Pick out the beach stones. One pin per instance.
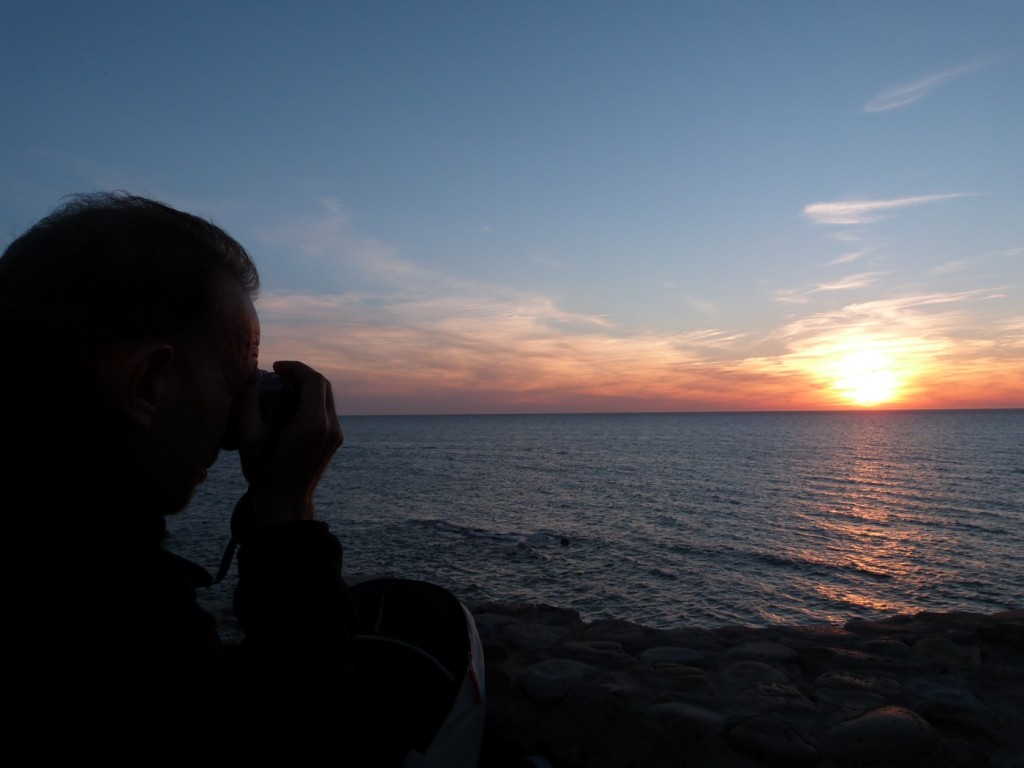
(552, 679)
(882, 736)
(906, 692)
(773, 742)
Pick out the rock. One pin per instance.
(552, 679)
(768, 652)
(911, 691)
(953, 654)
(670, 655)
(886, 735)
(773, 742)
(745, 674)
(687, 727)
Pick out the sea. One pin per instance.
(673, 519)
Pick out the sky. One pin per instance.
(518, 207)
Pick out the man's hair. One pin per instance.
(114, 267)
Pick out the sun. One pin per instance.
(865, 377)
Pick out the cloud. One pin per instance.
(850, 281)
(703, 305)
(414, 340)
(962, 264)
(907, 93)
(944, 351)
(900, 315)
(803, 295)
(549, 263)
(950, 267)
(516, 344)
(324, 247)
(490, 349)
(850, 256)
(846, 212)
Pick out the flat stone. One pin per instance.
(676, 677)
(686, 726)
(886, 735)
(953, 654)
(859, 682)
(607, 649)
(747, 673)
(763, 651)
(534, 637)
(671, 655)
(951, 700)
(779, 698)
(552, 679)
(886, 647)
(623, 632)
(773, 742)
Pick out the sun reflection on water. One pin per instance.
(867, 529)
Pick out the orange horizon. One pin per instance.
(480, 365)
(709, 389)
(433, 402)
(681, 413)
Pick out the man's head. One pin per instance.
(126, 330)
(112, 268)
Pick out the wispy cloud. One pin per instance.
(932, 314)
(549, 263)
(962, 264)
(847, 212)
(907, 93)
(491, 349)
(413, 340)
(328, 240)
(950, 267)
(846, 258)
(850, 282)
(702, 305)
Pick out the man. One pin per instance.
(129, 343)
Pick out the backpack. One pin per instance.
(421, 667)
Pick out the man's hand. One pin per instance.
(283, 468)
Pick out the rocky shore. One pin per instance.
(931, 690)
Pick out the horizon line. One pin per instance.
(691, 413)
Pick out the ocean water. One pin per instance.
(675, 519)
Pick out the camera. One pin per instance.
(278, 400)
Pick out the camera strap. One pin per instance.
(226, 558)
(240, 517)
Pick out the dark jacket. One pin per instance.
(114, 657)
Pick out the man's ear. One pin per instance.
(143, 381)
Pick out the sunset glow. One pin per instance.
(865, 377)
(685, 206)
